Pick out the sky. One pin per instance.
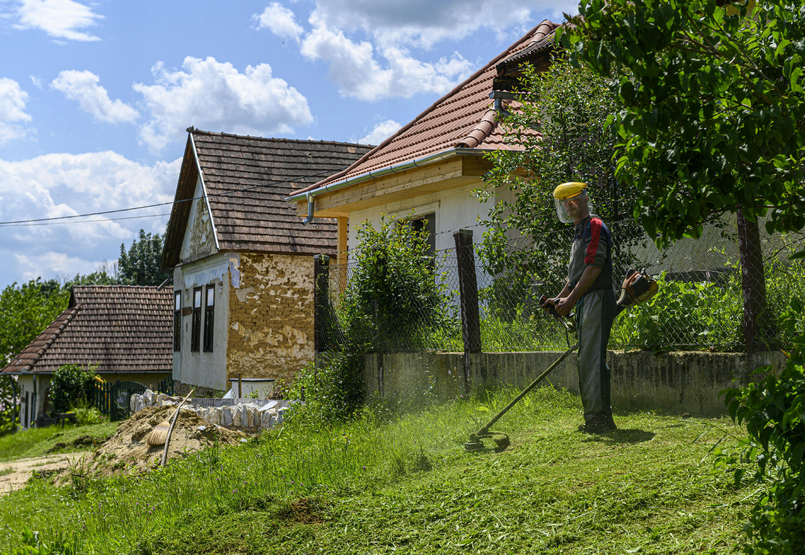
(96, 97)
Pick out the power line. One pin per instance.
(85, 221)
(13, 223)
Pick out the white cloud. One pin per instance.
(61, 19)
(36, 81)
(56, 185)
(83, 86)
(425, 22)
(381, 132)
(280, 21)
(357, 72)
(52, 264)
(12, 111)
(212, 95)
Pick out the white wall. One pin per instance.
(202, 368)
(25, 383)
(454, 209)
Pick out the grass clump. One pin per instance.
(407, 484)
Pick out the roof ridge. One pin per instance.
(481, 130)
(87, 285)
(478, 73)
(195, 131)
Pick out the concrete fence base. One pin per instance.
(678, 382)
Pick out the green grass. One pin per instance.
(36, 442)
(408, 486)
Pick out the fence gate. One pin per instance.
(114, 398)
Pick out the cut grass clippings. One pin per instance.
(408, 486)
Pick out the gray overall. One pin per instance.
(595, 313)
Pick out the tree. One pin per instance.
(712, 118)
(140, 265)
(713, 121)
(25, 311)
(562, 134)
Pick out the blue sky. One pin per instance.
(95, 97)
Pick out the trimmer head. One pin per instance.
(475, 444)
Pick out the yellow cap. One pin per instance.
(568, 190)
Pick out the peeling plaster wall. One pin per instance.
(271, 316)
(206, 369)
(199, 239)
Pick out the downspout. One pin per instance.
(310, 203)
(499, 97)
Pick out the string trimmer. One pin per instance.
(637, 288)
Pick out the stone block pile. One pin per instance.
(257, 415)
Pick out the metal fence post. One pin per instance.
(321, 300)
(468, 290)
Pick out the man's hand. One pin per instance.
(565, 305)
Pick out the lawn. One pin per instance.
(36, 442)
(407, 485)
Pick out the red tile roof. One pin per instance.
(463, 118)
(121, 328)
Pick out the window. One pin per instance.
(195, 332)
(209, 311)
(427, 223)
(177, 320)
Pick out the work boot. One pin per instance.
(601, 423)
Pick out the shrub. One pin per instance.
(395, 297)
(683, 314)
(87, 416)
(71, 386)
(773, 410)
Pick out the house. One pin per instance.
(430, 167)
(124, 331)
(242, 261)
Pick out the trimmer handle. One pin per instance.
(549, 305)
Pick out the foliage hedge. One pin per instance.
(394, 298)
(71, 386)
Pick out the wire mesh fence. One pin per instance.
(700, 304)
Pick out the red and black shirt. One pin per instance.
(592, 246)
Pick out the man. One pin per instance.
(589, 289)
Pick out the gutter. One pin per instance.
(402, 166)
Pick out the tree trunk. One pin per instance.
(756, 324)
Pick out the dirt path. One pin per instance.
(22, 469)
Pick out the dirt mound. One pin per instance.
(127, 451)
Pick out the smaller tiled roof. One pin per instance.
(463, 118)
(247, 181)
(119, 328)
(542, 40)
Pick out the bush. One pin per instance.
(88, 416)
(682, 314)
(71, 386)
(773, 410)
(395, 297)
